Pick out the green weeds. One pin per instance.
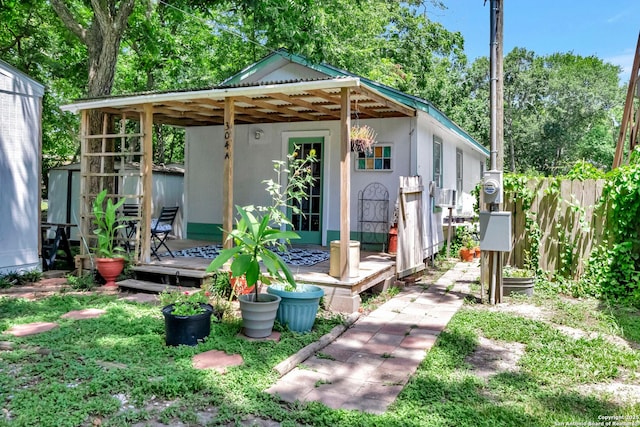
(116, 370)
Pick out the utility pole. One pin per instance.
(495, 225)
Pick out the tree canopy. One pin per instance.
(558, 108)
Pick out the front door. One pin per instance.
(308, 223)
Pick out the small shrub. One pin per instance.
(81, 283)
(16, 278)
(220, 285)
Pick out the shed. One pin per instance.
(20, 157)
(64, 193)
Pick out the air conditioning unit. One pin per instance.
(445, 197)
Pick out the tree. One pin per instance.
(559, 109)
(33, 40)
(100, 28)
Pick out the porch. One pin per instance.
(376, 269)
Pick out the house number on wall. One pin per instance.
(227, 138)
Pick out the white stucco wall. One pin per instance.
(168, 190)
(410, 139)
(451, 141)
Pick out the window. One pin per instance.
(379, 159)
(437, 161)
(459, 169)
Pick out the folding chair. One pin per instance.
(160, 229)
(131, 218)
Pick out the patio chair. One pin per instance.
(160, 229)
(131, 214)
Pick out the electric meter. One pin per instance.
(492, 186)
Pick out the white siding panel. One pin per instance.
(19, 171)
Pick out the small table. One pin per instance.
(60, 242)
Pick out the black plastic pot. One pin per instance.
(187, 330)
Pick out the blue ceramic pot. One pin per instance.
(298, 308)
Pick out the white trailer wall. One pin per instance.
(20, 153)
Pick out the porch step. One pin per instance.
(143, 285)
(171, 275)
(172, 271)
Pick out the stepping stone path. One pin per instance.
(218, 360)
(30, 329)
(89, 313)
(40, 327)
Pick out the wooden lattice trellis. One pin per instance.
(106, 159)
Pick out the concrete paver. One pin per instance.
(369, 364)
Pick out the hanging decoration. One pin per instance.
(362, 137)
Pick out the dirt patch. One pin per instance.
(529, 311)
(547, 315)
(614, 392)
(494, 357)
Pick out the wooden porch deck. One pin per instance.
(375, 270)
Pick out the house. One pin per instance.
(235, 130)
(20, 153)
(424, 142)
(64, 193)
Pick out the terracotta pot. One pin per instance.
(466, 254)
(477, 252)
(393, 239)
(110, 269)
(239, 285)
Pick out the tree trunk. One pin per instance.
(102, 34)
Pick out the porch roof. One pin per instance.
(300, 100)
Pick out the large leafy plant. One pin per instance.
(254, 239)
(258, 234)
(105, 213)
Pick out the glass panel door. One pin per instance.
(308, 223)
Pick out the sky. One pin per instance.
(607, 29)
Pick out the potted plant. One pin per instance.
(298, 306)
(254, 237)
(260, 230)
(109, 257)
(362, 138)
(517, 281)
(467, 251)
(187, 316)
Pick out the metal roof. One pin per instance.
(264, 102)
(275, 101)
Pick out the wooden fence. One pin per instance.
(564, 213)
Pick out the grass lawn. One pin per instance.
(116, 371)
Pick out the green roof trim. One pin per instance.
(396, 95)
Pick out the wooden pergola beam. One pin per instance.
(227, 189)
(306, 104)
(345, 183)
(262, 103)
(252, 113)
(386, 102)
(147, 181)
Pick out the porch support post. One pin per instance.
(85, 208)
(227, 189)
(147, 182)
(345, 182)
